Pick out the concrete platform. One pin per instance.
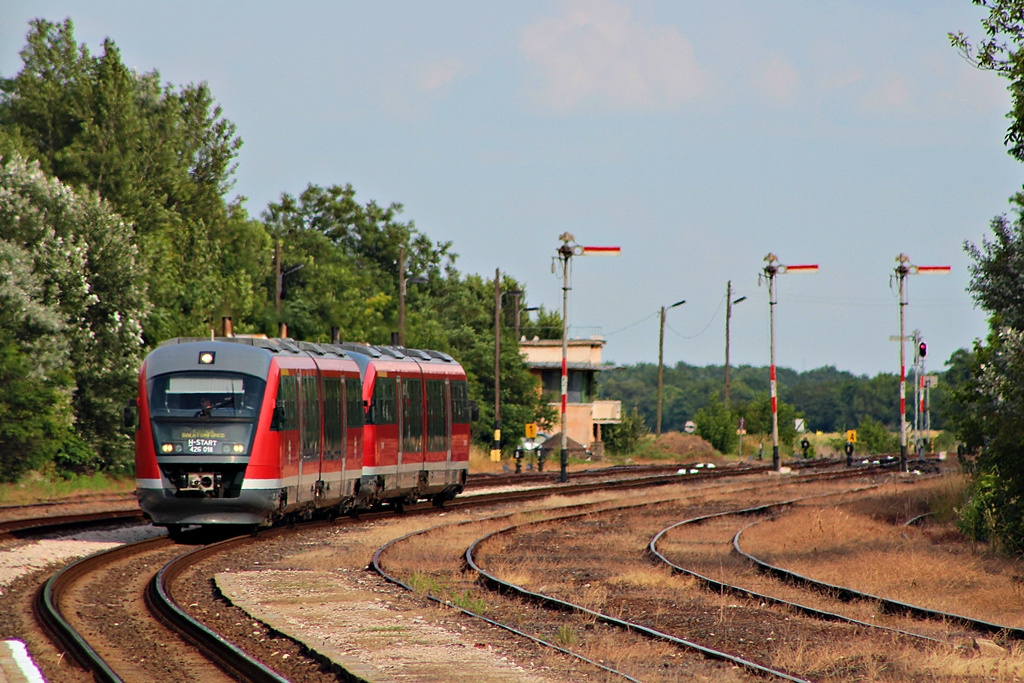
(16, 666)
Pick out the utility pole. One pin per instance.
(902, 270)
(728, 315)
(661, 355)
(496, 444)
(401, 297)
(770, 271)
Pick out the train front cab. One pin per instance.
(417, 425)
(193, 460)
(291, 441)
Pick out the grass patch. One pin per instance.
(35, 487)
(566, 636)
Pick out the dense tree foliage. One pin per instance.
(987, 399)
(118, 233)
(829, 399)
(76, 302)
(161, 156)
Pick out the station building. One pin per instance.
(584, 415)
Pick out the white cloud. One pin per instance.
(595, 52)
(777, 78)
(437, 75)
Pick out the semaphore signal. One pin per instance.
(770, 271)
(565, 254)
(902, 270)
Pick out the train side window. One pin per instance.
(460, 402)
(354, 396)
(286, 412)
(437, 418)
(382, 409)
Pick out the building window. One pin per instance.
(581, 385)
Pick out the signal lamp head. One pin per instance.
(922, 349)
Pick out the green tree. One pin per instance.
(35, 407)
(83, 257)
(623, 438)
(349, 255)
(874, 438)
(717, 424)
(989, 403)
(162, 156)
(758, 414)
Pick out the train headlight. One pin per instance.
(238, 448)
(167, 448)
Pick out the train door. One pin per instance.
(412, 430)
(332, 466)
(310, 424)
(288, 402)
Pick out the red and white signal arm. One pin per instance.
(800, 268)
(600, 251)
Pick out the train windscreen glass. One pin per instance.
(204, 414)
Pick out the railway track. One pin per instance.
(54, 603)
(193, 633)
(579, 612)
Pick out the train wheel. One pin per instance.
(399, 505)
(439, 499)
(175, 531)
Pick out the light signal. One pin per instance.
(922, 349)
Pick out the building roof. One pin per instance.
(557, 365)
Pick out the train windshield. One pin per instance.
(204, 413)
(205, 396)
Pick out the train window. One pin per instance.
(412, 415)
(382, 408)
(460, 402)
(354, 397)
(333, 439)
(437, 416)
(287, 400)
(206, 395)
(310, 418)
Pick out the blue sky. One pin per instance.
(697, 136)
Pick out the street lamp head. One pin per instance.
(742, 298)
(678, 303)
(416, 280)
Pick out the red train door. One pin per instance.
(309, 435)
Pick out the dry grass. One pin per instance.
(599, 560)
(859, 546)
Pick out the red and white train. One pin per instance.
(244, 431)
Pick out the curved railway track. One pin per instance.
(564, 605)
(159, 595)
(888, 605)
(159, 592)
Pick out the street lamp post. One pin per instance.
(729, 303)
(661, 363)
